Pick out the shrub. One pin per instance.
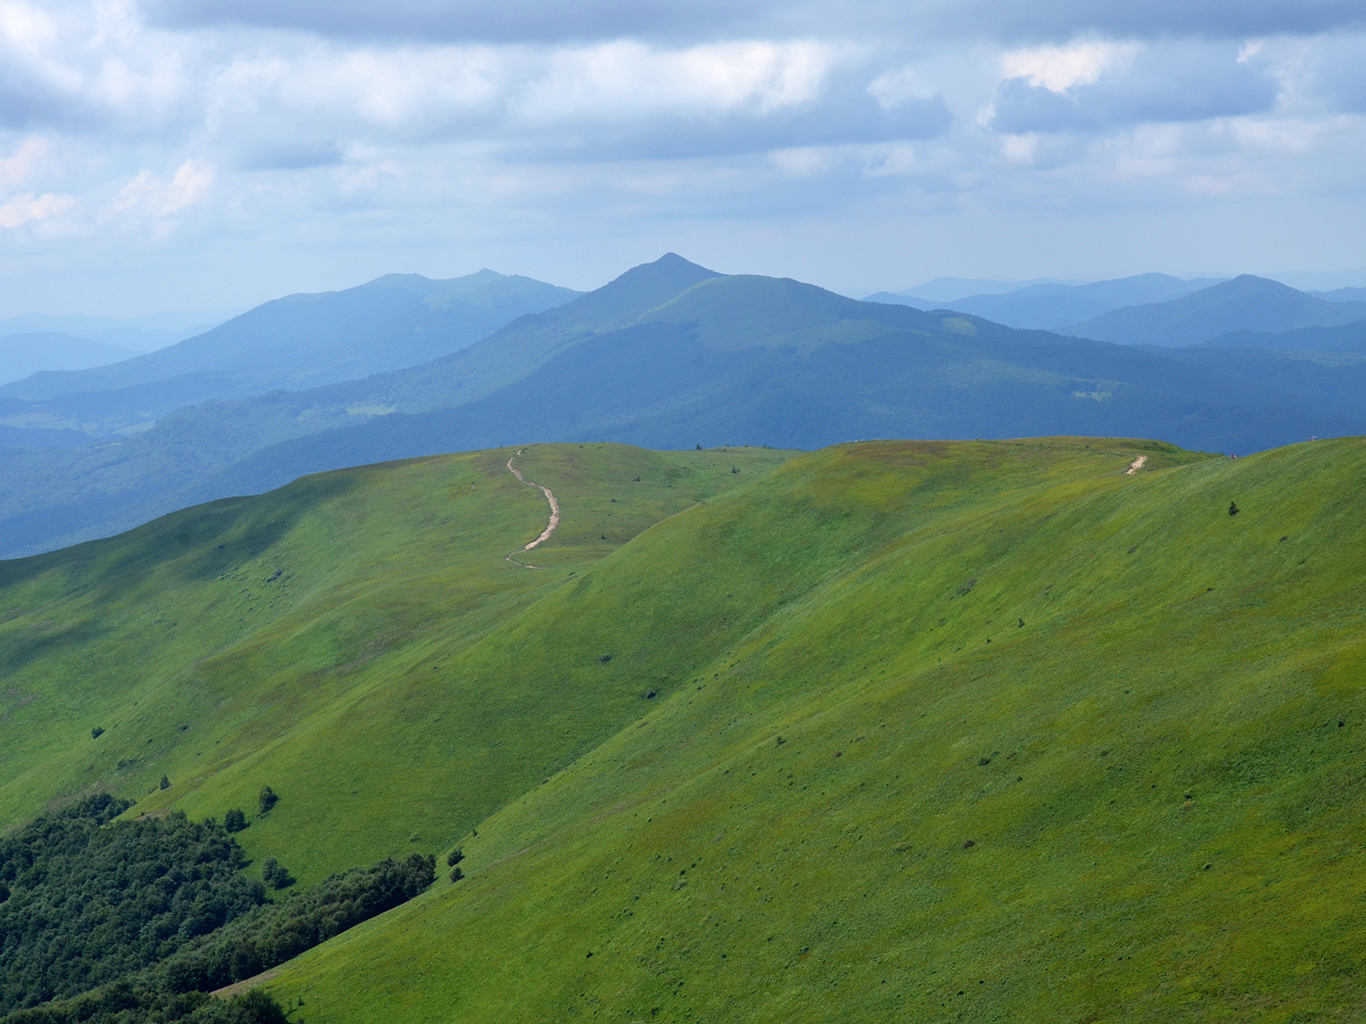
(456, 874)
(268, 799)
(275, 874)
(235, 820)
(456, 856)
(96, 732)
(165, 782)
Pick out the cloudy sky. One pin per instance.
(204, 154)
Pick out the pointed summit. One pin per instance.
(637, 291)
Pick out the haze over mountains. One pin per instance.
(39, 341)
(1049, 305)
(668, 355)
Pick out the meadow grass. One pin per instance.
(938, 730)
(1138, 805)
(327, 639)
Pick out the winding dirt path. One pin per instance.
(1134, 466)
(554, 515)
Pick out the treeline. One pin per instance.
(132, 922)
(83, 903)
(276, 932)
(125, 1003)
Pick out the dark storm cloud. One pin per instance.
(1186, 83)
(563, 20)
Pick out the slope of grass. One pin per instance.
(967, 732)
(331, 640)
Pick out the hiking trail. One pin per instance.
(554, 515)
(1134, 467)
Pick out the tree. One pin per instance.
(96, 732)
(165, 782)
(268, 799)
(235, 820)
(275, 874)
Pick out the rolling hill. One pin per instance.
(668, 355)
(892, 730)
(1246, 303)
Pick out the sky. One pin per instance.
(212, 154)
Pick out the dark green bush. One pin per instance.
(275, 874)
(267, 799)
(235, 820)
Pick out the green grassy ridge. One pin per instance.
(1168, 650)
(342, 679)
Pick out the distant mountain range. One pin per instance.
(668, 355)
(140, 333)
(1245, 303)
(1049, 306)
(24, 354)
(293, 343)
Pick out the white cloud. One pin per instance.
(15, 170)
(152, 196)
(1059, 68)
(630, 79)
(29, 208)
(893, 88)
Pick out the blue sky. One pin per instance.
(189, 154)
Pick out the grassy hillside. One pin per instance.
(1057, 743)
(939, 731)
(336, 640)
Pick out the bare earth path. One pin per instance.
(1134, 466)
(554, 514)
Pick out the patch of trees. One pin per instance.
(132, 922)
(90, 902)
(276, 932)
(126, 1003)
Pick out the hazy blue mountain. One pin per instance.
(294, 343)
(893, 299)
(1343, 338)
(1050, 305)
(1342, 295)
(25, 354)
(947, 289)
(671, 355)
(1246, 303)
(140, 333)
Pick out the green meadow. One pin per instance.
(930, 731)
